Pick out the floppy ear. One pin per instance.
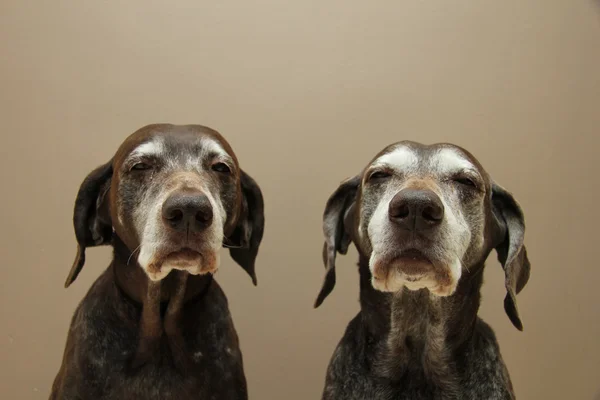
(337, 238)
(248, 233)
(512, 253)
(91, 216)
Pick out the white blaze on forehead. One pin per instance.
(154, 147)
(447, 160)
(400, 158)
(211, 146)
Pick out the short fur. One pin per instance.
(418, 335)
(138, 334)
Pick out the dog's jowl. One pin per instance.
(423, 219)
(155, 324)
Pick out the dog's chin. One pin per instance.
(186, 259)
(414, 271)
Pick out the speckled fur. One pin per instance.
(137, 337)
(104, 335)
(397, 347)
(408, 341)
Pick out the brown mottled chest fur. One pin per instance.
(104, 336)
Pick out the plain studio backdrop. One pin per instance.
(306, 92)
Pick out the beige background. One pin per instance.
(306, 92)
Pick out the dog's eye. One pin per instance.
(141, 166)
(465, 181)
(379, 175)
(221, 167)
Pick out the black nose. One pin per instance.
(416, 210)
(187, 212)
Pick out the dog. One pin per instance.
(155, 324)
(423, 219)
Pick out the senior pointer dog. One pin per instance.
(155, 324)
(423, 219)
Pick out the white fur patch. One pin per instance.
(155, 147)
(148, 217)
(395, 281)
(219, 218)
(455, 274)
(168, 266)
(379, 225)
(401, 158)
(455, 228)
(211, 146)
(447, 161)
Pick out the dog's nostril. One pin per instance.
(174, 215)
(400, 211)
(204, 216)
(432, 213)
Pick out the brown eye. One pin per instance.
(221, 167)
(141, 166)
(379, 175)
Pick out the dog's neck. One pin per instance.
(422, 330)
(161, 304)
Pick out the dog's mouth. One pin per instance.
(413, 264)
(184, 258)
(413, 269)
(185, 253)
(194, 262)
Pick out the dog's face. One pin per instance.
(424, 215)
(173, 195)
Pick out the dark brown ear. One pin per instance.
(91, 216)
(512, 253)
(337, 238)
(247, 235)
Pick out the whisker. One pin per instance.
(132, 253)
(230, 246)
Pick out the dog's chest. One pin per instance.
(367, 370)
(207, 378)
(212, 372)
(107, 341)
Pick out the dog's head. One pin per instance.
(173, 195)
(424, 216)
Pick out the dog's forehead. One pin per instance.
(416, 158)
(175, 142)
